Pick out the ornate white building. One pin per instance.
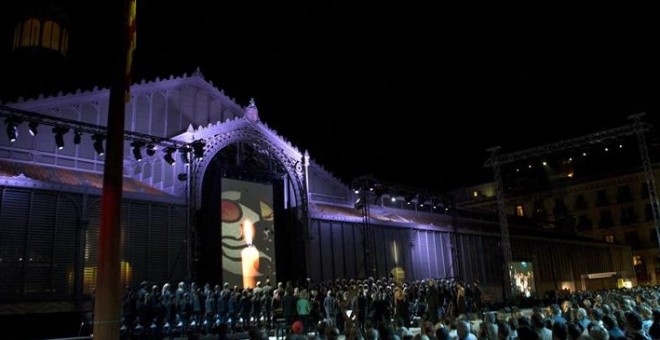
(50, 204)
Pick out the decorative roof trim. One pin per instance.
(97, 94)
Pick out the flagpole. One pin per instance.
(108, 295)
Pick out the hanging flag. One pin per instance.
(132, 44)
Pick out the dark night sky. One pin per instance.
(413, 93)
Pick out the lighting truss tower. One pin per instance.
(496, 160)
(364, 185)
(454, 236)
(368, 236)
(505, 242)
(640, 128)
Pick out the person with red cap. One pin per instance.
(297, 329)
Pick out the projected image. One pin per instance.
(522, 276)
(247, 231)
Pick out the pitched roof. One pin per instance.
(70, 177)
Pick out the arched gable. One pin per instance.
(221, 135)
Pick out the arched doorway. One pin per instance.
(249, 181)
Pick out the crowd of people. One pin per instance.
(441, 309)
(153, 311)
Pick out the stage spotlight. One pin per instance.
(59, 141)
(33, 128)
(359, 204)
(185, 154)
(137, 150)
(98, 144)
(151, 150)
(168, 155)
(77, 135)
(59, 136)
(198, 149)
(12, 129)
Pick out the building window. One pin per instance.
(50, 37)
(584, 223)
(601, 199)
(17, 36)
(648, 212)
(606, 219)
(520, 211)
(628, 215)
(623, 194)
(65, 42)
(581, 202)
(632, 238)
(539, 211)
(609, 238)
(645, 190)
(653, 236)
(30, 33)
(637, 260)
(538, 207)
(560, 208)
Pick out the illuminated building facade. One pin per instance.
(181, 222)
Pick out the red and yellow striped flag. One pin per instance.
(132, 44)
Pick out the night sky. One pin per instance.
(411, 93)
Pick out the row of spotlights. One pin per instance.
(570, 159)
(196, 148)
(33, 128)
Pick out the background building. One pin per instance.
(599, 191)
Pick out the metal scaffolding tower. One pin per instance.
(364, 187)
(496, 160)
(640, 128)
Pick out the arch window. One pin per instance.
(17, 36)
(50, 37)
(64, 45)
(30, 34)
(653, 236)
